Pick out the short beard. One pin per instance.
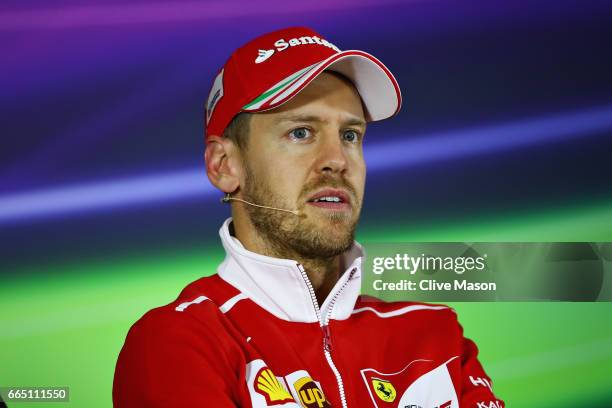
(290, 236)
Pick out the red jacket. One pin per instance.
(253, 335)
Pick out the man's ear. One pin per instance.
(223, 163)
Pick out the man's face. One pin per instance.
(307, 155)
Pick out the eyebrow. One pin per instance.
(313, 118)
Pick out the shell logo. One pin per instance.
(268, 385)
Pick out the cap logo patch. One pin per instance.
(282, 44)
(263, 55)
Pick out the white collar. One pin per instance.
(281, 288)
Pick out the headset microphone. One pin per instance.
(227, 199)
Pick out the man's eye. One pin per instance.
(300, 133)
(351, 136)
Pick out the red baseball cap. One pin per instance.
(271, 69)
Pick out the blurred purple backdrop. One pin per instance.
(508, 108)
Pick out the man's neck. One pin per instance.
(323, 273)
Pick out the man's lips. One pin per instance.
(331, 198)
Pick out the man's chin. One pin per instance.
(332, 223)
(336, 236)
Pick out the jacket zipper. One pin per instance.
(324, 323)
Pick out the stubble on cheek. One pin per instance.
(313, 235)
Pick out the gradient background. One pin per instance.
(106, 212)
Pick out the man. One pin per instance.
(282, 324)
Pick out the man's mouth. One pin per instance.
(331, 199)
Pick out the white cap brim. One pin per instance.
(376, 85)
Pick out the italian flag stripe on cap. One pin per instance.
(276, 89)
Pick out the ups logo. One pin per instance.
(310, 394)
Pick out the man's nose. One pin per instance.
(331, 155)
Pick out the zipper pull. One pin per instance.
(327, 343)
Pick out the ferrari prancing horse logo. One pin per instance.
(384, 389)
